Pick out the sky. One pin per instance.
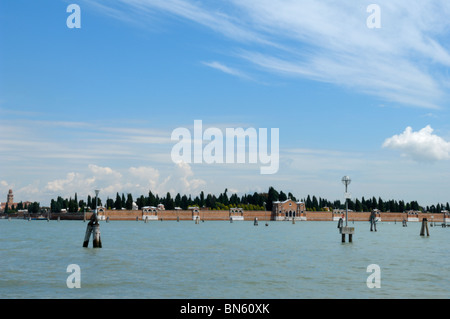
(94, 107)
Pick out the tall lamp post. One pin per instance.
(96, 202)
(346, 181)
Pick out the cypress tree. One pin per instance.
(272, 197)
(118, 202)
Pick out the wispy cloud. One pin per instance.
(27, 141)
(222, 67)
(404, 62)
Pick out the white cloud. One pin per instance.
(71, 184)
(135, 180)
(184, 173)
(97, 177)
(182, 180)
(104, 171)
(145, 178)
(422, 145)
(143, 172)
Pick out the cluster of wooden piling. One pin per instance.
(93, 227)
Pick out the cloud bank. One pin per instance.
(134, 180)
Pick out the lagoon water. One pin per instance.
(218, 259)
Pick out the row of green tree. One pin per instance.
(33, 208)
(72, 205)
(255, 201)
(248, 202)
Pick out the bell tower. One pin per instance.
(10, 199)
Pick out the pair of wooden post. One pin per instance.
(350, 239)
(343, 230)
(93, 227)
(349, 231)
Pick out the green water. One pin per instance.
(218, 259)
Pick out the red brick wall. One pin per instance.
(248, 215)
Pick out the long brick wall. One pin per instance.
(248, 215)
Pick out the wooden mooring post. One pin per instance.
(93, 227)
(340, 223)
(424, 227)
(373, 221)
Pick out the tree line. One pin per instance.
(224, 201)
(32, 208)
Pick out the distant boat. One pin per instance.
(39, 218)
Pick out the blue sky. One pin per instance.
(94, 107)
